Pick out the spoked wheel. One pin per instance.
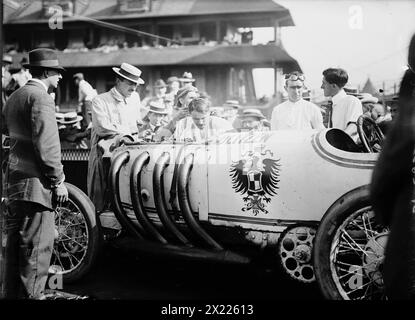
(349, 250)
(295, 251)
(77, 237)
(370, 134)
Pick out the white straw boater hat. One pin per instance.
(69, 118)
(59, 116)
(129, 72)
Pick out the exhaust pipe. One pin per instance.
(159, 198)
(137, 201)
(122, 217)
(187, 212)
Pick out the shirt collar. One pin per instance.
(118, 96)
(41, 82)
(340, 95)
(297, 102)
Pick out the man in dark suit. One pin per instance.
(34, 180)
(393, 194)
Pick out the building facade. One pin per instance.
(212, 39)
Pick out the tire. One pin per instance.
(347, 247)
(78, 237)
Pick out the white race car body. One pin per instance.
(309, 175)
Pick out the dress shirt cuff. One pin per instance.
(57, 183)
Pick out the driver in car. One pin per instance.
(200, 126)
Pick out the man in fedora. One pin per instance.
(187, 79)
(34, 180)
(154, 120)
(115, 113)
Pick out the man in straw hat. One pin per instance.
(34, 178)
(70, 132)
(115, 113)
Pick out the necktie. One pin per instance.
(330, 114)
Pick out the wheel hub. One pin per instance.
(373, 260)
(295, 248)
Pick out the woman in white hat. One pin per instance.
(115, 113)
(252, 120)
(154, 120)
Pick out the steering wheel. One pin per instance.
(370, 134)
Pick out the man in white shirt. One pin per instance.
(296, 113)
(115, 113)
(346, 108)
(85, 95)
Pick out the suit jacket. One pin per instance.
(34, 164)
(392, 195)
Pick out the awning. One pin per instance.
(184, 55)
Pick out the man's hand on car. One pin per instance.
(60, 193)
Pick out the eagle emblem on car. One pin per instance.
(256, 177)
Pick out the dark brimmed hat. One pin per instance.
(160, 84)
(129, 72)
(172, 79)
(43, 58)
(252, 113)
(187, 77)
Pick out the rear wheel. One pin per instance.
(77, 237)
(349, 250)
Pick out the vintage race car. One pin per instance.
(301, 195)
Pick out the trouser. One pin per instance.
(30, 236)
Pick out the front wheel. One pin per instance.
(77, 236)
(349, 250)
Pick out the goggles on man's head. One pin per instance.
(294, 77)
